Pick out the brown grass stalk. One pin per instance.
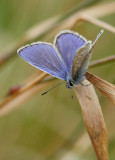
(8, 101)
(102, 61)
(89, 14)
(93, 118)
(30, 35)
(101, 10)
(12, 103)
(98, 22)
(106, 88)
(40, 29)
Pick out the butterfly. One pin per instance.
(66, 59)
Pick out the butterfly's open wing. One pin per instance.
(44, 57)
(67, 44)
(81, 60)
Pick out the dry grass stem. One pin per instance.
(9, 104)
(79, 148)
(31, 34)
(6, 102)
(88, 14)
(99, 23)
(93, 118)
(106, 88)
(103, 9)
(40, 29)
(102, 61)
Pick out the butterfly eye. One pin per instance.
(71, 83)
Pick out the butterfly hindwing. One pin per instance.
(80, 62)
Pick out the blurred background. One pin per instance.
(49, 127)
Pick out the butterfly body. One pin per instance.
(67, 59)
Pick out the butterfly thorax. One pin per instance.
(78, 80)
(71, 82)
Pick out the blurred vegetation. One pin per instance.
(49, 127)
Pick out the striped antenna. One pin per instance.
(98, 37)
(89, 52)
(52, 88)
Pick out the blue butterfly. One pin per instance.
(67, 59)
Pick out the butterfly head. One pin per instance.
(70, 84)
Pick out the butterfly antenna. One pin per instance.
(97, 37)
(52, 88)
(100, 33)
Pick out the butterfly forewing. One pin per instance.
(67, 44)
(44, 57)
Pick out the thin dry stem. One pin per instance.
(102, 61)
(101, 10)
(40, 29)
(79, 147)
(88, 14)
(22, 90)
(14, 102)
(93, 118)
(30, 35)
(98, 22)
(106, 88)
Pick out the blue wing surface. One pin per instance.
(67, 44)
(44, 57)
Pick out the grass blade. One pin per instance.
(93, 118)
(106, 88)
